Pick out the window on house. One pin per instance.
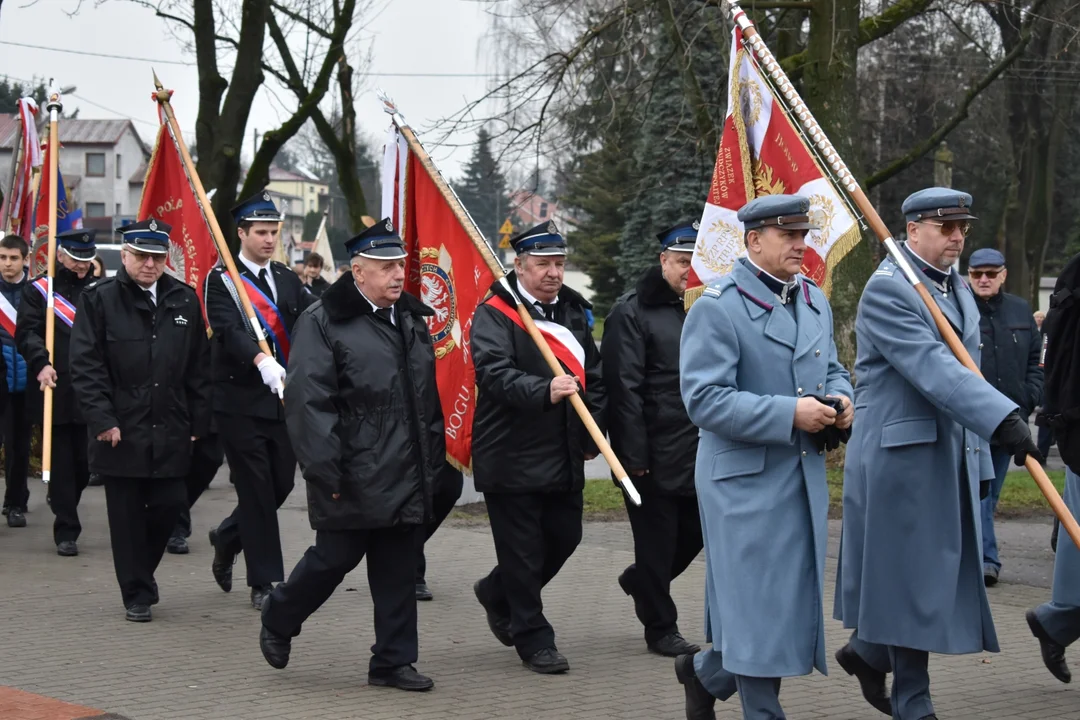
(543, 210)
(311, 188)
(117, 209)
(95, 210)
(118, 164)
(95, 164)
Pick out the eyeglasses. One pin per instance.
(991, 274)
(950, 226)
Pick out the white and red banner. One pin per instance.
(763, 153)
(446, 271)
(29, 152)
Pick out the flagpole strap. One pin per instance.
(251, 324)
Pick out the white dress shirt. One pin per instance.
(254, 267)
(374, 307)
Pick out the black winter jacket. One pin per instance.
(521, 442)
(1011, 348)
(363, 411)
(647, 421)
(30, 341)
(238, 385)
(145, 370)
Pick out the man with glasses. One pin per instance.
(1011, 345)
(140, 367)
(909, 580)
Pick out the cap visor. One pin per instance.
(681, 248)
(384, 253)
(80, 255)
(797, 226)
(262, 218)
(545, 252)
(148, 249)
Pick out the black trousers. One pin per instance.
(68, 479)
(262, 461)
(391, 553)
(667, 538)
(142, 513)
(447, 491)
(535, 534)
(206, 458)
(17, 426)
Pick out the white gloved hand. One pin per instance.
(273, 375)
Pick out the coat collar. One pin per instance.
(963, 314)
(343, 301)
(653, 289)
(799, 333)
(566, 295)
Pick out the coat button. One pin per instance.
(980, 346)
(799, 391)
(967, 449)
(804, 453)
(817, 353)
(819, 386)
(820, 452)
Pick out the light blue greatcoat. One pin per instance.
(910, 571)
(761, 486)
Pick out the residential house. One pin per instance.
(292, 232)
(103, 163)
(313, 193)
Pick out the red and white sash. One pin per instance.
(7, 316)
(563, 343)
(61, 305)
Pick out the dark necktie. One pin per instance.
(386, 314)
(264, 284)
(547, 310)
(150, 299)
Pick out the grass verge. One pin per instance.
(1020, 498)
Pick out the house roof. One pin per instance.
(73, 131)
(139, 176)
(9, 126)
(299, 175)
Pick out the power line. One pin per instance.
(158, 61)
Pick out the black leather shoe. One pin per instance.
(928, 717)
(138, 613)
(258, 596)
(222, 564)
(871, 681)
(67, 548)
(275, 648)
(700, 702)
(177, 546)
(1053, 654)
(548, 661)
(499, 624)
(15, 518)
(404, 677)
(423, 594)
(673, 645)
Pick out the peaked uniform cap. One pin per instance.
(544, 239)
(681, 237)
(148, 236)
(937, 203)
(380, 242)
(788, 212)
(78, 243)
(257, 208)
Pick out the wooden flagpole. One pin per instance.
(500, 276)
(162, 96)
(815, 138)
(16, 167)
(54, 107)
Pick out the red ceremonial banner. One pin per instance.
(167, 196)
(447, 272)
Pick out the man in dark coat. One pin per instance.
(139, 360)
(1011, 350)
(364, 416)
(448, 486)
(69, 475)
(529, 445)
(17, 418)
(247, 396)
(653, 436)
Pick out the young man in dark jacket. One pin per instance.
(17, 421)
(1011, 346)
(529, 445)
(653, 436)
(140, 368)
(363, 414)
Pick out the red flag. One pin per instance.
(167, 196)
(446, 271)
(22, 200)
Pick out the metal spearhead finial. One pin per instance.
(54, 103)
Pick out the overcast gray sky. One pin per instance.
(406, 36)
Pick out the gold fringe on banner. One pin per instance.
(843, 245)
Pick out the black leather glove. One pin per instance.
(1014, 435)
(830, 437)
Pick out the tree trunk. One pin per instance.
(343, 148)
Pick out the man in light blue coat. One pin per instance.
(910, 574)
(758, 368)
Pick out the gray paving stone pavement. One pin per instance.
(65, 637)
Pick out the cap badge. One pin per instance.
(696, 225)
(153, 225)
(961, 201)
(389, 226)
(266, 196)
(552, 229)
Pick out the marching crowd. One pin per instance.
(721, 415)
